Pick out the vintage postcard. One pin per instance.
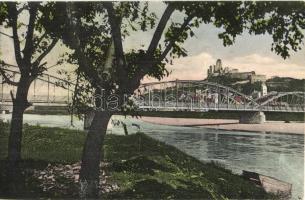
(152, 99)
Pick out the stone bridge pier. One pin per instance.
(257, 117)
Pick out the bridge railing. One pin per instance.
(158, 103)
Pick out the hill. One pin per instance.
(279, 84)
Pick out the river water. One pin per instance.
(277, 155)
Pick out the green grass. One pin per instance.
(48, 144)
(142, 167)
(140, 163)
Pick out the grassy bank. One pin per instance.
(142, 167)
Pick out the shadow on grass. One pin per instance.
(30, 185)
(153, 189)
(140, 164)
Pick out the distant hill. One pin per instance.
(285, 84)
(279, 84)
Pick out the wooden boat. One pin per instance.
(269, 184)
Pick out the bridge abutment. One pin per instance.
(252, 118)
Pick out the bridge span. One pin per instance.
(189, 95)
(178, 95)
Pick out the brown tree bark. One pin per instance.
(89, 174)
(20, 103)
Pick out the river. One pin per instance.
(277, 155)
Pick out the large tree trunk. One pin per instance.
(20, 103)
(89, 174)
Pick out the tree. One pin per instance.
(31, 45)
(93, 29)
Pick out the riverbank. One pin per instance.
(231, 124)
(270, 116)
(134, 167)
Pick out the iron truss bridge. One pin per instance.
(45, 89)
(178, 95)
(190, 95)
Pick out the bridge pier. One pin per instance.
(252, 118)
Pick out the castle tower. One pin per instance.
(210, 71)
(218, 66)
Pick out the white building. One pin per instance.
(264, 89)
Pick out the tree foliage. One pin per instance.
(285, 21)
(31, 41)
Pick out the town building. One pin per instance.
(241, 75)
(264, 90)
(258, 78)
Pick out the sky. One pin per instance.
(249, 53)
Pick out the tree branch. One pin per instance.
(13, 15)
(90, 73)
(28, 48)
(12, 96)
(50, 47)
(7, 79)
(159, 30)
(115, 24)
(7, 35)
(40, 39)
(147, 65)
(6, 64)
(53, 66)
(173, 41)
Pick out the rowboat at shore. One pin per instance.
(269, 184)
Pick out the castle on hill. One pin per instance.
(218, 70)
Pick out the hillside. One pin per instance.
(279, 84)
(285, 84)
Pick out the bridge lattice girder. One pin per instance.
(51, 95)
(226, 95)
(276, 96)
(230, 94)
